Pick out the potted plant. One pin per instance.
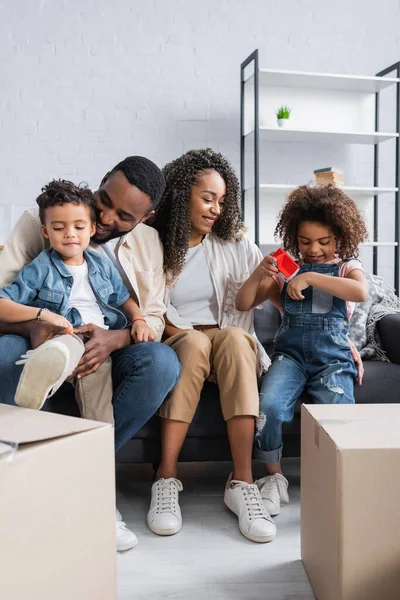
(283, 115)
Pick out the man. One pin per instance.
(144, 373)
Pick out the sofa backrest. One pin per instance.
(266, 323)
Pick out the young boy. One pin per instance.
(69, 286)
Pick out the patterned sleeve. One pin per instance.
(279, 280)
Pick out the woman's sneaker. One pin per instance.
(273, 489)
(245, 501)
(164, 516)
(45, 370)
(126, 539)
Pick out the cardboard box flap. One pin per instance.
(359, 426)
(25, 426)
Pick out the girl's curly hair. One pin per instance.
(172, 219)
(323, 204)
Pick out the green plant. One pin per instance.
(283, 112)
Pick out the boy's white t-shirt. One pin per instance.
(82, 296)
(344, 270)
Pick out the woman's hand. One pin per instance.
(297, 285)
(49, 317)
(357, 361)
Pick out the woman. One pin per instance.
(207, 257)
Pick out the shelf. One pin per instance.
(323, 81)
(379, 244)
(353, 191)
(305, 135)
(370, 244)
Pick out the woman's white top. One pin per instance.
(193, 294)
(229, 265)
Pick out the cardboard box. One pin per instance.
(350, 500)
(57, 508)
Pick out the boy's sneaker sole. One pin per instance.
(41, 372)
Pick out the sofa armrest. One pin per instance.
(389, 333)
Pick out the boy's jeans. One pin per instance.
(143, 374)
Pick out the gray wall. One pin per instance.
(83, 84)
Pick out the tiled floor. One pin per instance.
(209, 559)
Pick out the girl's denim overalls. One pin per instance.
(311, 354)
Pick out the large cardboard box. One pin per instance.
(350, 501)
(57, 508)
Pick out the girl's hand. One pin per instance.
(49, 317)
(297, 285)
(267, 267)
(141, 332)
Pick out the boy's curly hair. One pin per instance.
(325, 204)
(61, 191)
(172, 219)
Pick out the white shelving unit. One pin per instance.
(307, 135)
(327, 109)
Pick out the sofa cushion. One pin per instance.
(266, 323)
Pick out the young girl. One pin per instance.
(322, 228)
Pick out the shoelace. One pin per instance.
(276, 481)
(121, 525)
(25, 357)
(167, 494)
(253, 500)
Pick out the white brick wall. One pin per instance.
(85, 83)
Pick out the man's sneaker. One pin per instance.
(245, 501)
(126, 539)
(164, 516)
(46, 368)
(273, 489)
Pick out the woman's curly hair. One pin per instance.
(323, 204)
(172, 219)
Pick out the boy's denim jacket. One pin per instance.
(46, 283)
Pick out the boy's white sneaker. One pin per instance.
(245, 501)
(273, 489)
(126, 539)
(46, 368)
(164, 516)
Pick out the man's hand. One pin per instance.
(98, 348)
(297, 285)
(141, 332)
(357, 361)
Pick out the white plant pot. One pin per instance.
(282, 122)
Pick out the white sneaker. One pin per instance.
(164, 516)
(245, 501)
(126, 539)
(273, 489)
(46, 368)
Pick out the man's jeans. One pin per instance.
(142, 374)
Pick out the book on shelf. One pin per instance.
(328, 170)
(331, 175)
(330, 180)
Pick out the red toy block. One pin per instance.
(285, 264)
